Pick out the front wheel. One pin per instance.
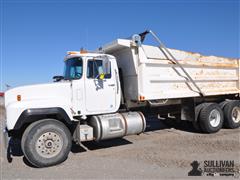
(46, 142)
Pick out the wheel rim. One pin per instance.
(49, 144)
(214, 118)
(236, 114)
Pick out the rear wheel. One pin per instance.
(46, 142)
(232, 114)
(211, 118)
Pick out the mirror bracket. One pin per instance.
(57, 78)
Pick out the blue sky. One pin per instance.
(35, 34)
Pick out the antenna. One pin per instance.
(7, 86)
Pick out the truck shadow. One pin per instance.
(154, 124)
(92, 145)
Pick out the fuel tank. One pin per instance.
(117, 125)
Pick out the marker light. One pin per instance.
(82, 51)
(19, 98)
(72, 52)
(142, 98)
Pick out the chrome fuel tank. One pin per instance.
(117, 125)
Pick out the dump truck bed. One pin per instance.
(148, 74)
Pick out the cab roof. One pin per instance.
(72, 54)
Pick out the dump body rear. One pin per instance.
(149, 74)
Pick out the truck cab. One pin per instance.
(94, 83)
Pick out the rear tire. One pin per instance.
(232, 114)
(46, 142)
(196, 123)
(211, 118)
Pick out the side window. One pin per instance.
(95, 67)
(73, 68)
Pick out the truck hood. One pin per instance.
(41, 95)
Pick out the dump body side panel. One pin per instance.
(159, 78)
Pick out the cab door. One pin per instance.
(100, 92)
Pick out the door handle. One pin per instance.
(111, 85)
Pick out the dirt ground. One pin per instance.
(162, 152)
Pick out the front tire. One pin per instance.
(232, 114)
(211, 118)
(46, 142)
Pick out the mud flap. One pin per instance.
(187, 109)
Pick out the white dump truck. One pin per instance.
(110, 93)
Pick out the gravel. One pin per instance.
(162, 152)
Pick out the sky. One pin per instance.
(36, 34)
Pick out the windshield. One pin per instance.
(73, 68)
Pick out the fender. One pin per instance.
(31, 115)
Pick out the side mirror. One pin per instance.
(57, 78)
(102, 69)
(106, 66)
